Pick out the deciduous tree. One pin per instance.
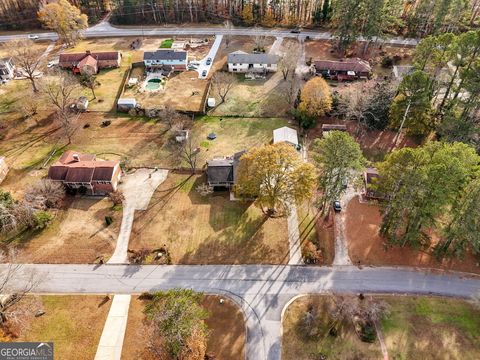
(315, 98)
(222, 83)
(27, 58)
(276, 176)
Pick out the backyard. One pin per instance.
(225, 323)
(208, 230)
(73, 323)
(417, 328)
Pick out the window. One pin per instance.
(234, 64)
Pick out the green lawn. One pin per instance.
(166, 44)
(418, 328)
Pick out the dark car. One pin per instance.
(204, 73)
(337, 206)
(296, 31)
(209, 61)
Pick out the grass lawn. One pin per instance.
(166, 44)
(78, 234)
(225, 324)
(208, 230)
(417, 328)
(73, 323)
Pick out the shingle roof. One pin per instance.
(165, 55)
(88, 60)
(76, 57)
(357, 65)
(244, 58)
(217, 173)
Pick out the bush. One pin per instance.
(45, 194)
(387, 62)
(368, 333)
(116, 197)
(42, 219)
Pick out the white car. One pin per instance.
(33, 37)
(51, 64)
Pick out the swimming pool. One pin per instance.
(153, 84)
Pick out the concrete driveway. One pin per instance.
(211, 54)
(137, 188)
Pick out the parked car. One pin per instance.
(51, 64)
(209, 61)
(337, 207)
(296, 31)
(33, 37)
(204, 73)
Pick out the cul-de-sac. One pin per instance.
(239, 179)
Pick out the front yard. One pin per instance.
(417, 328)
(73, 323)
(225, 323)
(208, 230)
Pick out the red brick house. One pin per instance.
(84, 173)
(89, 62)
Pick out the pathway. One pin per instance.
(341, 243)
(262, 290)
(276, 46)
(137, 188)
(294, 240)
(111, 341)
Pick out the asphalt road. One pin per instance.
(104, 29)
(262, 291)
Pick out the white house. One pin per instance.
(7, 70)
(286, 135)
(242, 62)
(161, 59)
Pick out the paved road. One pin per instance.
(261, 290)
(104, 29)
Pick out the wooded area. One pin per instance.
(364, 17)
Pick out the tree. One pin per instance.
(376, 113)
(421, 185)
(65, 19)
(14, 215)
(60, 91)
(28, 105)
(345, 22)
(247, 14)
(288, 61)
(412, 107)
(45, 194)
(26, 58)
(188, 152)
(463, 229)
(179, 329)
(337, 157)
(222, 83)
(276, 176)
(315, 98)
(90, 82)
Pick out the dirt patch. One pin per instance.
(367, 247)
(77, 235)
(218, 231)
(225, 323)
(70, 322)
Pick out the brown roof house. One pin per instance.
(86, 174)
(370, 178)
(222, 172)
(346, 69)
(89, 62)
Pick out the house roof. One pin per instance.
(165, 55)
(370, 174)
(88, 60)
(330, 127)
(224, 170)
(285, 134)
(244, 58)
(85, 169)
(77, 57)
(357, 65)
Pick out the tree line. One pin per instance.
(350, 18)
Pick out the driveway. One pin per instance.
(262, 291)
(341, 244)
(137, 188)
(211, 54)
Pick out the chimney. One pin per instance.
(76, 157)
(88, 52)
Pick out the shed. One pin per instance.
(125, 104)
(370, 177)
(211, 102)
(3, 169)
(326, 128)
(285, 134)
(82, 103)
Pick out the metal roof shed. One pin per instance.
(285, 134)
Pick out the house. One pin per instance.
(285, 135)
(86, 174)
(222, 172)
(165, 59)
(3, 169)
(7, 70)
(125, 104)
(326, 128)
(370, 177)
(89, 63)
(242, 62)
(346, 69)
